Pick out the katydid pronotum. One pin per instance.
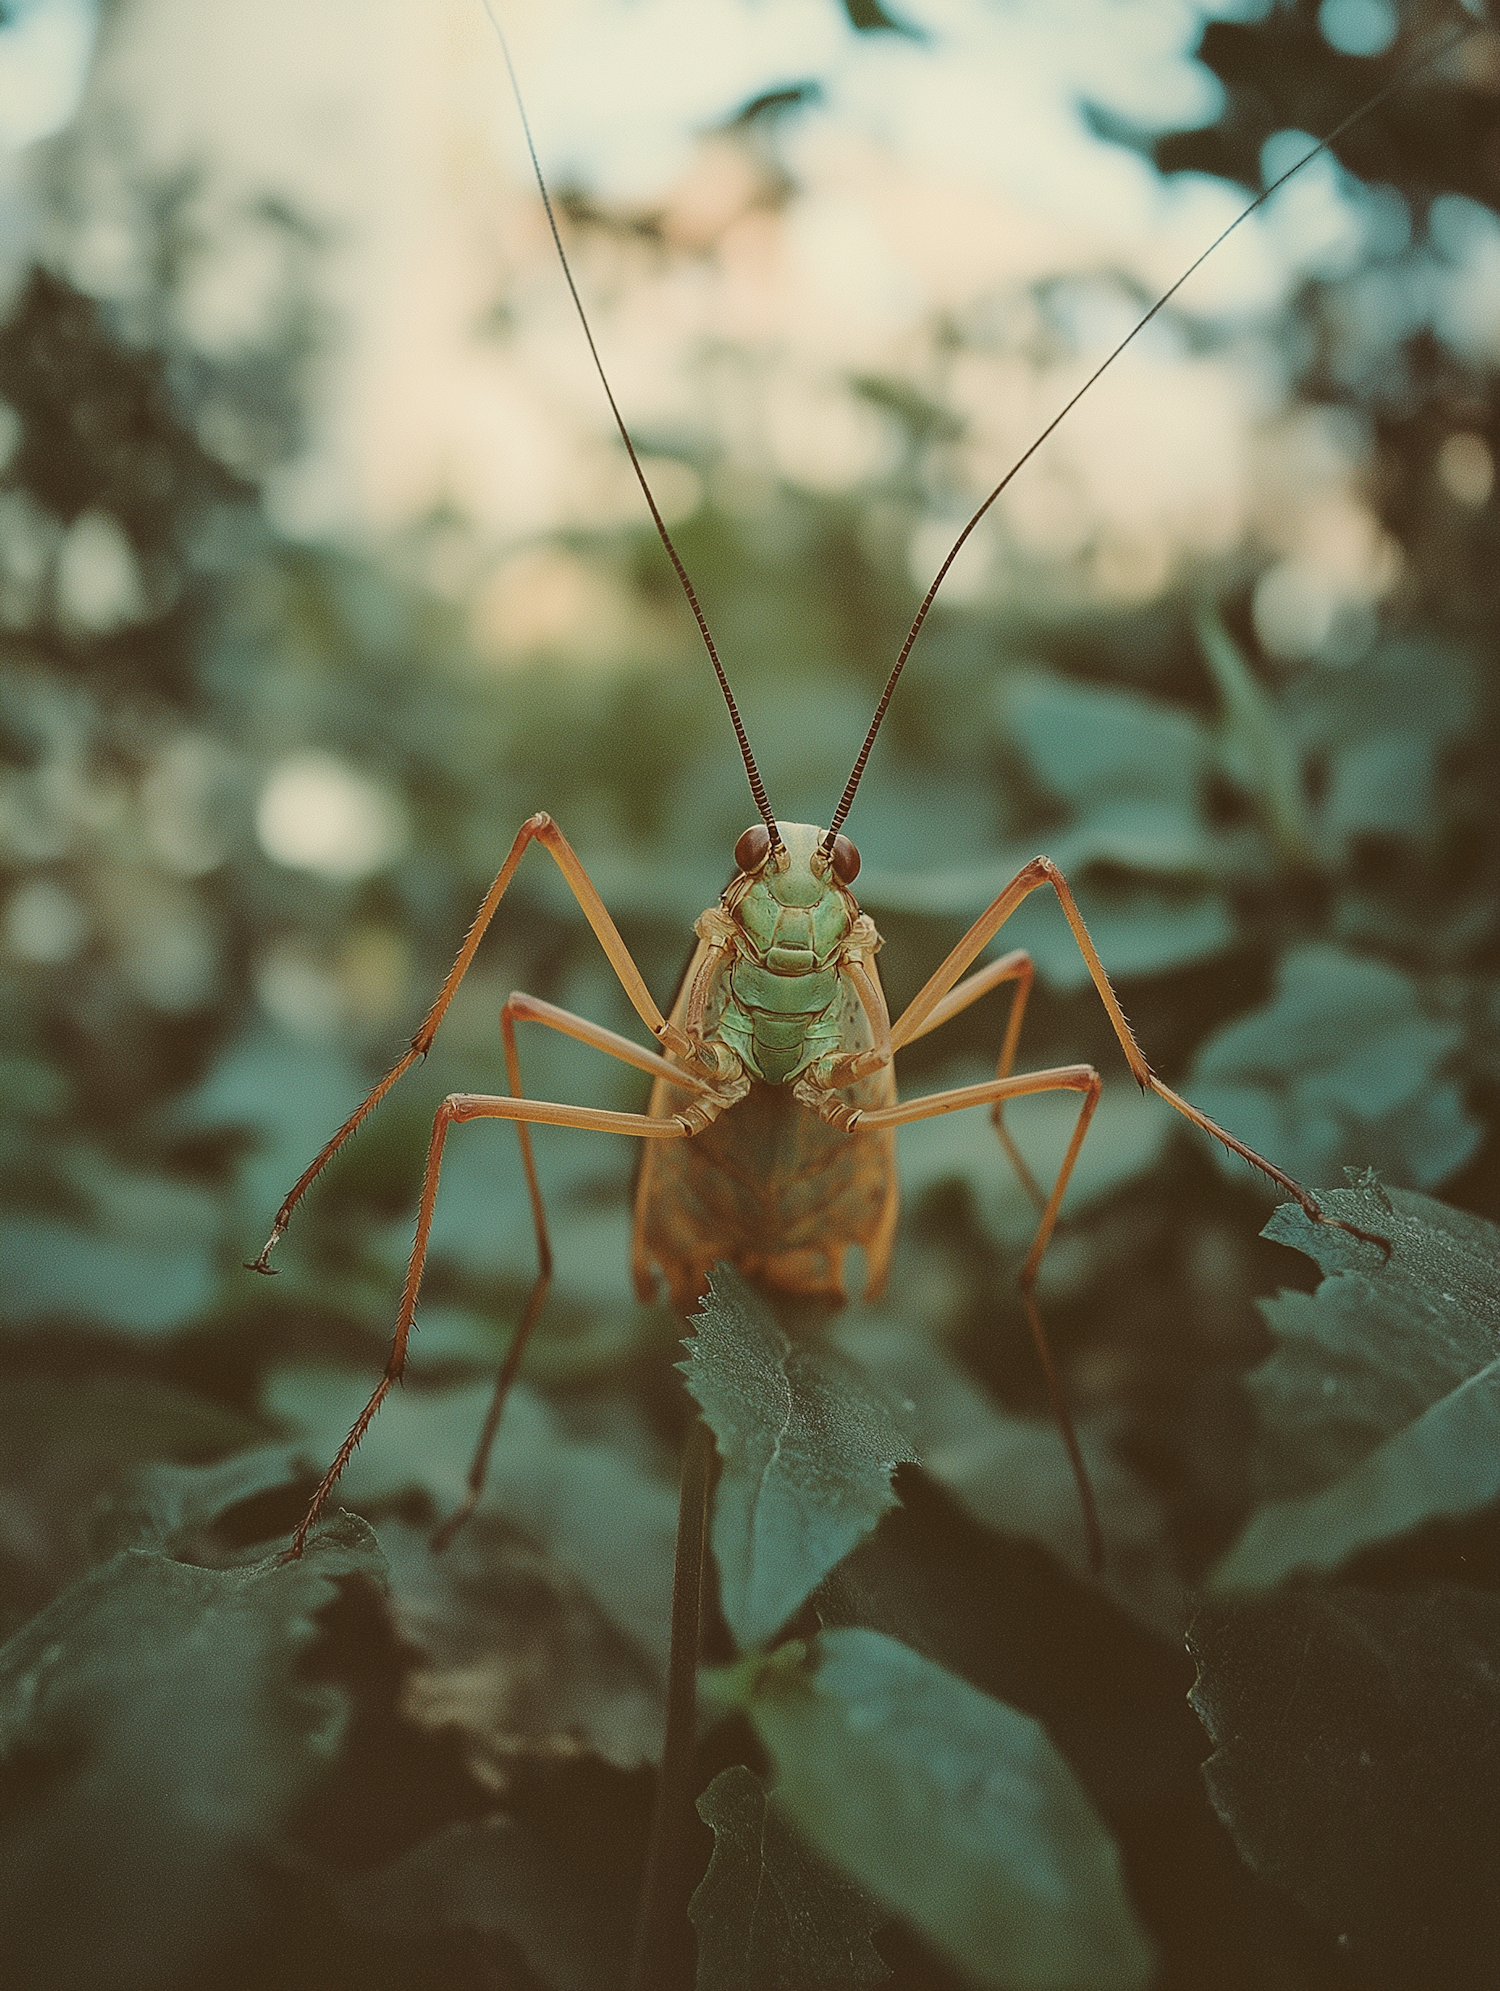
(770, 1128)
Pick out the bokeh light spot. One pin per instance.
(44, 923)
(1466, 468)
(98, 581)
(1358, 27)
(316, 814)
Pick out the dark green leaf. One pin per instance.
(1342, 1066)
(514, 1653)
(1013, 1473)
(1381, 1405)
(155, 1717)
(807, 1447)
(770, 1915)
(164, 1505)
(545, 1895)
(1087, 741)
(603, 1507)
(1358, 1764)
(954, 1810)
(65, 1440)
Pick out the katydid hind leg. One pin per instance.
(459, 1107)
(993, 1092)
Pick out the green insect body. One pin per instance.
(782, 987)
(781, 1008)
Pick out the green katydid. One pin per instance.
(769, 1131)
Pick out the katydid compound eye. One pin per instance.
(750, 851)
(845, 860)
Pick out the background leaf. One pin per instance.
(1343, 1066)
(1014, 1475)
(539, 1896)
(156, 1721)
(604, 1507)
(769, 1915)
(807, 1449)
(1357, 1763)
(1381, 1405)
(954, 1811)
(513, 1651)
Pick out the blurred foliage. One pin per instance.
(413, 1772)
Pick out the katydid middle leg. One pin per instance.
(456, 1109)
(520, 1007)
(1016, 967)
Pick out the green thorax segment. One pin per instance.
(784, 1003)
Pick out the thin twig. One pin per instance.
(664, 1897)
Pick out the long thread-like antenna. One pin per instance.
(1403, 75)
(757, 786)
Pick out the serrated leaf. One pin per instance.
(807, 1446)
(770, 1915)
(1380, 1408)
(1341, 1067)
(157, 1716)
(954, 1810)
(1358, 1767)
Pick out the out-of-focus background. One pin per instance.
(321, 567)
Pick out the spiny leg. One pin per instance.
(1014, 967)
(1041, 871)
(536, 829)
(521, 1007)
(456, 1108)
(993, 1092)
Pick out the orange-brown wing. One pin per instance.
(768, 1186)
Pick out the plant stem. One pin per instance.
(663, 1917)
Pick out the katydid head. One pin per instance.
(753, 848)
(792, 902)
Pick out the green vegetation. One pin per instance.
(935, 1753)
